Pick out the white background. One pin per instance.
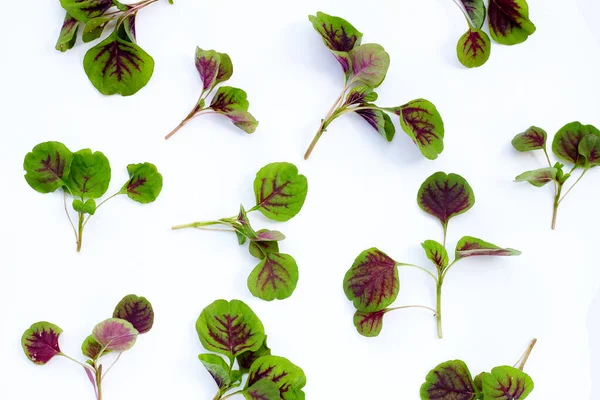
(362, 193)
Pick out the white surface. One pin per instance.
(362, 193)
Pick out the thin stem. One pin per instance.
(412, 306)
(99, 381)
(80, 231)
(572, 186)
(111, 365)
(438, 313)
(547, 157)
(525, 356)
(100, 205)
(193, 114)
(68, 215)
(86, 366)
(416, 266)
(447, 269)
(445, 234)
(198, 225)
(556, 203)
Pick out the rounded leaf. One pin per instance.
(275, 277)
(370, 63)
(473, 48)
(89, 175)
(290, 378)
(509, 21)
(92, 349)
(246, 359)
(445, 196)
(566, 141)
(506, 383)
(40, 342)
(280, 191)
(137, 310)
(145, 183)
(230, 328)
(262, 390)
(260, 249)
(449, 381)
(436, 252)
(115, 334)
(372, 282)
(423, 123)
(369, 324)
(533, 138)
(589, 148)
(47, 166)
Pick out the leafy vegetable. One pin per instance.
(215, 68)
(112, 336)
(117, 65)
(280, 192)
(574, 143)
(232, 329)
(373, 283)
(452, 380)
(85, 175)
(365, 67)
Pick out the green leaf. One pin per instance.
(449, 381)
(380, 121)
(280, 191)
(94, 28)
(478, 383)
(470, 246)
(217, 368)
(92, 349)
(423, 123)
(509, 21)
(84, 10)
(538, 177)
(145, 183)
(506, 383)
(260, 248)
(275, 277)
(243, 228)
(89, 207)
(436, 252)
(90, 174)
(473, 48)
(225, 69)
(68, 34)
(126, 30)
(370, 63)
(40, 342)
(262, 390)
(533, 138)
(246, 359)
(232, 103)
(230, 328)
(589, 148)
(290, 379)
(369, 324)
(445, 196)
(47, 166)
(360, 94)
(566, 141)
(118, 66)
(475, 11)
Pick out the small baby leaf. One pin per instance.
(92, 349)
(127, 30)
(89, 207)
(243, 228)
(266, 235)
(232, 103)
(589, 148)
(476, 11)
(230, 328)
(470, 246)
(40, 342)
(84, 10)
(445, 196)
(509, 21)
(449, 381)
(260, 249)
(136, 310)
(262, 390)
(473, 48)
(90, 174)
(290, 379)
(145, 183)
(566, 141)
(360, 94)
(436, 253)
(538, 177)
(115, 334)
(217, 368)
(275, 277)
(280, 191)
(380, 121)
(506, 383)
(369, 324)
(246, 359)
(533, 138)
(225, 68)
(94, 28)
(370, 63)
(68, 34)
(423, 123)
(207, 64)
(47, 166)
(372, 282)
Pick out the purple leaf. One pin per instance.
(137, 310)
(538, 177)
(115, 334)
(372, 282)
(40, 342)
(449, 381)
(445, 196)
(127, 29)
(509, 21)
(246, 359)
(506, 383)
(370, 63)
(92, 379)
(290, 378)
(533, 138)
(207, 64)
(369, 324)
(470, 246)
(267, 236)
(360, 94)
(566, 141)
(436, 252)
(423, 123)
(380, 121)
(476, 11)
(68, 34)
(275, 277)
(473, 48)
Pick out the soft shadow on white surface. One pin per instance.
(594, 330)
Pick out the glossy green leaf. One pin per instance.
(473, 48)
(275, 277)
(369, 324)
(538, 177)
(509, 21)
(506, 383)
(47, 166)
(68, 34)
(145, 183)
(589, 148)
(436, 252)
(445, 196)
(423, 123)
(533, 138)
(470, 246)
(40, 342)
(370, 63)
(246, 359)
(280, 191)
(217, 368)
(449, 381)
(566, 141)
(290, 378)
(262, 390)
(90, 174)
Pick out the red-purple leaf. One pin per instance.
(92, 349)
(533, 138)
(115, 334)
(589, 148)
(506, 383)
(566, 141)
(246, 359)
(445, 196)
(40, 342)
(509, 21)
(275, 277)
(68, 34)
(217, 368)
(137, 310)
(436, 252)
(476, 11)
(538, 177)
(370, 63)
(449, 381)
(369, 324)
(280, 191)
(473, 48)
(380, 121)
(470, 246)
(260, 249)
(423, 123)
(265, 235)
(91, 378)
(360, 94)
(372, 282)
(207, 64)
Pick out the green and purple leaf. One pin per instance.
(275, 277)
(473, 48)
(449, 381)
(225, 68)
(243, 227)
(94, 27)
(68, 34)
(266, 235)
(137, 310)
(84, 10)
(533, 138)
(145, 183)
(207, 64)
(280, 191)
(115, 334)
(217, 368)
(89, 176)
(589, 148)
(262, 390)
(423, 123)
(47, 166)
(360, 94)
(289, 378)
(260, 249)
(566, 141)
(538, 177)
(369, 324)
(40, 342)
(506, 383)
(230, 328)
(509, 21)
(445, 196)
(246, 359)
(436, 252)
(475, 11)
(232, 102)
(370, 63)
(470, 246)
(92, 349)
(127, 30)
(380, 121)
(372, 282)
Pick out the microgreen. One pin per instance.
(132, 317)
(117, 65)
(85, 176)
(280, 193)
(365, 67)
(574, 143)
(452, 380)
(231, 329)
(215, 68)
(373, 283)
(508, 21)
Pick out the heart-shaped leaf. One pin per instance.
(217, 368)
(260, 249)
(380, 121)
(230, 328)
(538, 177)
(90, 174)
(275, 277)
(372, 282)
(68, 34)
(533, 138)
(84, 10)
(370, 63)
(207, 64)
(290, 379)
(262, 390)
(40, 342)
(470, 246)
(473, 48)
(506, 383)
(246, 359)
(589, 148)
(137, 310)
(360, 94)
(369, 324)
(436, 252)
(115, 334)
(47, 166)
(280, 191)
(566, 141)
(423, 123)
(509, 21)
(476, 11)
(92, 349)
(445, 196)
(145, 183)
(449, 381)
